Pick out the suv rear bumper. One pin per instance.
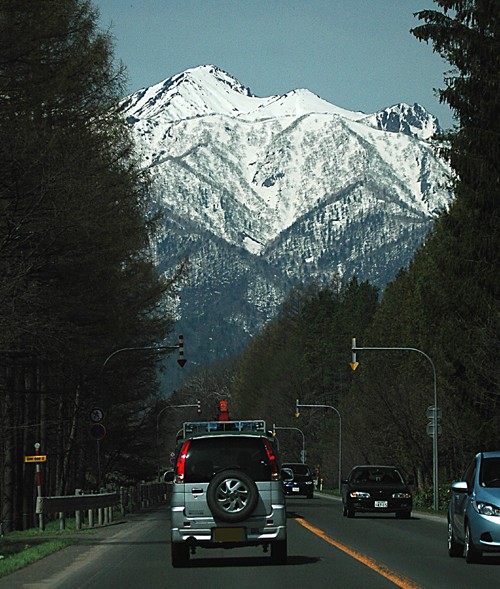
(200, 530)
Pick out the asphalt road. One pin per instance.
(325, 550)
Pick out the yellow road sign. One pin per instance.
(36, 458)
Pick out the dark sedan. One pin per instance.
(376, 489)
(302, 482)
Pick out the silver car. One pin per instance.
(474, 509)
(227, 490)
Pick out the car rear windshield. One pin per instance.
(299, 469)
(207, 456)
(490, 472)
(383, 476)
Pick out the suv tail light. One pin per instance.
(181, 462)
(275, 474)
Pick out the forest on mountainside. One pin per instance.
(445, 304)
(77, 281)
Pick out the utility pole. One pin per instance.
(434, 413)
(303, 453)
(181, 361)
(297, 413)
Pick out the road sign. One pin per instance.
(96, 415)
(36, 458)
(430, 429)
(97, 431)
(433, 413)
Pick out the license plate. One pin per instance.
(228, 534)
(295, 489)
(381, 503)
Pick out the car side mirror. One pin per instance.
(460, 487)
(168, 477)
(287, 474)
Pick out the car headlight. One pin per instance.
(359, 495)
(401, 495)
(486, 508)
(309, 482)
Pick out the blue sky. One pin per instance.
(357, 54)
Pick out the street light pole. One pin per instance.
(435, 466)
(297, 405)
(181, 361)
(303, 439)
(197, 405)
(171, 347)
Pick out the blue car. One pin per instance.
(474, 509)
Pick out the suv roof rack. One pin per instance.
(191, 428)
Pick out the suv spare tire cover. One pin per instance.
(232, 495)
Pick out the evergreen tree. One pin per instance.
(77, 276)
(460, 262)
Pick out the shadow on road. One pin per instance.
(248, 561)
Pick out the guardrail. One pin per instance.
(100, 505)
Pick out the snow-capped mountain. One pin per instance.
(264, 192)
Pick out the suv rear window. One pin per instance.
(206, 456)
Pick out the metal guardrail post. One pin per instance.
(122, 500)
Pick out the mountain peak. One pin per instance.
(209, 73)
(414, 120)
(198, 91)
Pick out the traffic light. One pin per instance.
(354, 363)
(297, 412)
(198, 407)
(181, 360)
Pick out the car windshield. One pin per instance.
(489, 476)
(382, 476)
(206, 456)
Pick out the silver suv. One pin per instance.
(227, 490)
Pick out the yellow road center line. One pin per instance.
(369, 562)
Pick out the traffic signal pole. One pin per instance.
(297, 413)
(435, 465)
(181, 361)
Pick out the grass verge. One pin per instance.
(16, 554)
(19, 549)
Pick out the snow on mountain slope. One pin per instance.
(245, 179)
(280, 189)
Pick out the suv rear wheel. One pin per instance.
(180, 554)
(232, 495)
(279, 552)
